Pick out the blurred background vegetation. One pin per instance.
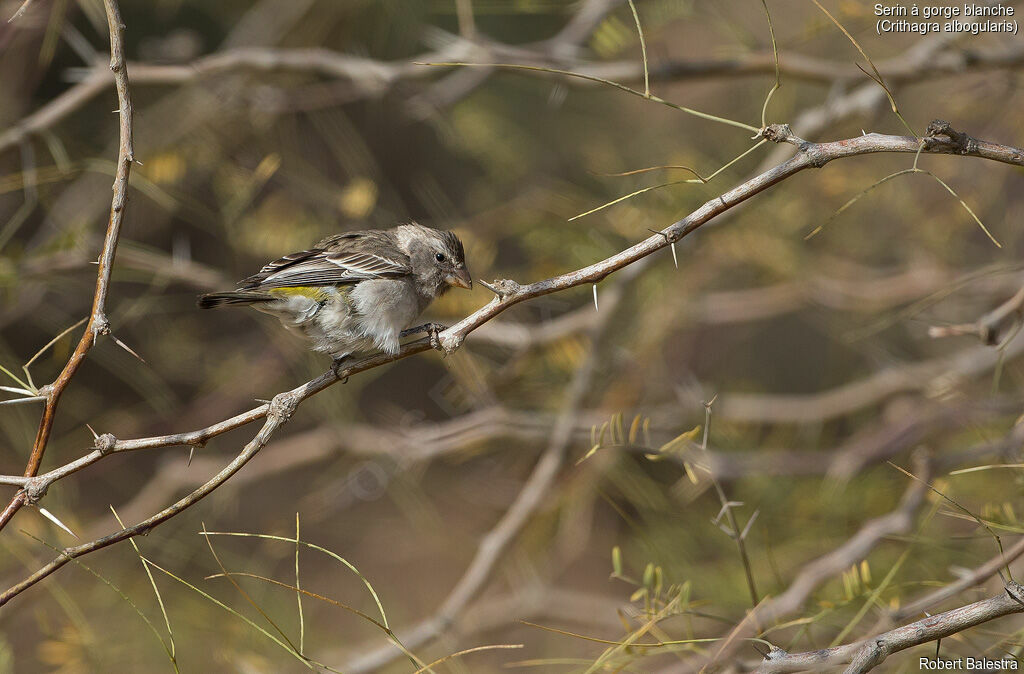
(241, 165)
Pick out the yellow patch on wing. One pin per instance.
(317, 293)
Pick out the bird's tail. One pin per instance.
(242, 297)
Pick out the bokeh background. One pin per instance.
(817, 348)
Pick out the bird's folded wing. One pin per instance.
(318, 268)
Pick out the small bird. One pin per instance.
(356, 291)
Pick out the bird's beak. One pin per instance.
(460, 278)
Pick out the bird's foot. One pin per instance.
(337, 366)
(432, 330)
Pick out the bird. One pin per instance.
(355, 292)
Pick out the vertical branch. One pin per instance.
(98, 323)
(125, 157)
(734, 531)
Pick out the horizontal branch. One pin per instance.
(373, 77)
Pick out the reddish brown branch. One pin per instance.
(98, 323)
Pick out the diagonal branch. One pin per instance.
(865, 655)
(509, 293)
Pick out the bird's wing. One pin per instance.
(343, 259)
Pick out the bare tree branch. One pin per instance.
(867, 654)
(98, 323)
(370, 77)
(509, 293)
(991, 327)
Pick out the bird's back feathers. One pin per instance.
(341, 259)
(355, 291)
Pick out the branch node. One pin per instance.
(1015, 591)
(961, 142)
(449, 343)
(105, 443)
(777, 133)
(100, 326)
(283, 406)
(35, 489)
(503, 288)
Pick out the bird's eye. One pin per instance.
(439, 257)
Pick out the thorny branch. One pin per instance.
(863, 654)
(98, 324)
(421, 443)
(509, 293)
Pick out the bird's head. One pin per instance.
(438, 259)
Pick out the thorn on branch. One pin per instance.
(503, 288)
(127, 348)
(1015, 591)
(670, 242)
(53, 518)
